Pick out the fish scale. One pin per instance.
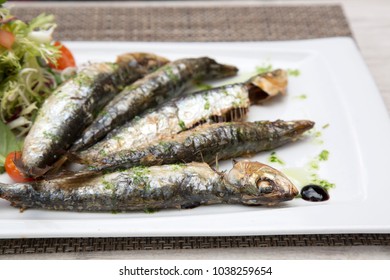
(157, 187)
(185, 112)
(167, 82)
(73, 105)
(207, 142)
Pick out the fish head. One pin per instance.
(260, 184)
(265, 86)
(147, 60)
(217, 70)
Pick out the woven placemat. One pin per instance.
(79, 245)
(183, 23)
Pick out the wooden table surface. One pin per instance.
(370, 23)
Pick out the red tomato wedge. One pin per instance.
(66, 59)
(12, 170)
(7, 39)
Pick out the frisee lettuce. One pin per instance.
(25, 78)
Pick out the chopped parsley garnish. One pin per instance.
(264, 68)
(302, 96)
(324, 155)
(274, 158)
(322, 182)
(182, 125)
(203, 86)
(293, 72)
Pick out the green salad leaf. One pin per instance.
(25, 76)
(8, 143)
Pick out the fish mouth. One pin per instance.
(297, 128)
(227, 70)
(301, 126)
(217, 70)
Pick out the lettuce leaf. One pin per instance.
(25, 77)
(8, 143)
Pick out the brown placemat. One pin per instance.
(184, 23)
(79, 245)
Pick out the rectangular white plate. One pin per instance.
(340, 92)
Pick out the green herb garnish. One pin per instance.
(274, 158)
(107, 185)
(168, 69)
(182, 125)
(322, 182)
(207, 104)
(203, 86)
(302, 96)
(324, 155)
(293, 72)
(264, 68)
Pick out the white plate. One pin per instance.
(339, 90)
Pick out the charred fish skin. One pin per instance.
(158, 187)
(134, 189)
(168, 81)
(208, 142)
(226, 103)
(72, 106)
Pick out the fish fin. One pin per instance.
(74, 157)
(74, 176)
(57, 165)
(34, 172)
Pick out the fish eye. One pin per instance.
(264, 185)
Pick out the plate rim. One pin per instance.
(134, 227)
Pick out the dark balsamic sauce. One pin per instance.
(314, 193)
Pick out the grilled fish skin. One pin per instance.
(168, 81)
(207, 142)
(72, 106)
(156, 187)
(227, 103)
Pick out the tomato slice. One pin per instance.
(65, 60)
(12, 170)
(7, 39)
